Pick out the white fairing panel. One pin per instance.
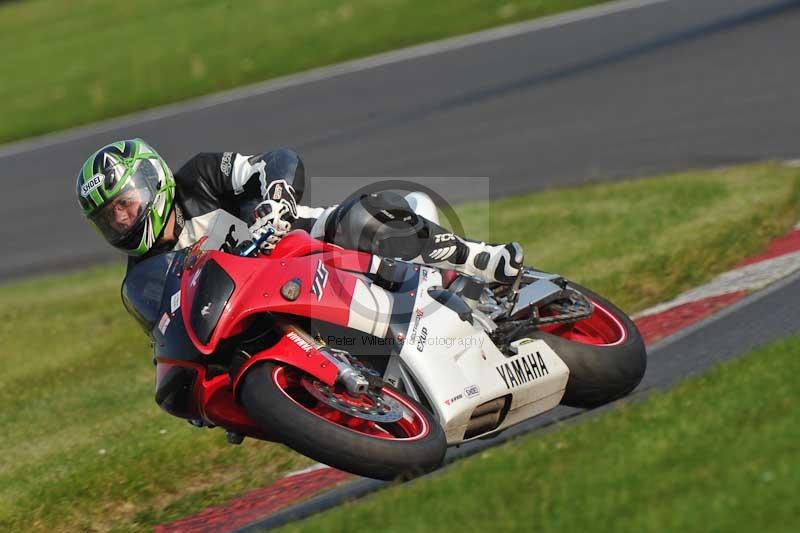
(459, 367)
(219, 226)
(371, 309)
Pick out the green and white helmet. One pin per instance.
(127, 190)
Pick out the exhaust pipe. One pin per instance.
(487, 416)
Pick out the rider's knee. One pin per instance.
(382, 223)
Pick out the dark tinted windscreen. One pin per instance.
(143, 288)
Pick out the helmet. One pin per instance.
(127, 190)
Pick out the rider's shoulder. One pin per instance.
(209, 166)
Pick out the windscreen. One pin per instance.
(143, 288)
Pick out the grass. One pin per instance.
(718, 453)
(85, 447)
(644, 241)
(82, 61)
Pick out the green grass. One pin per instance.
(718, 453)
(70, 63)
(84, 446)
(642, 242)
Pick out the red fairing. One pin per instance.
(220, 408)
(325, 275)
(326, 285)
(212, 401)
(299, 243)
(296, 351)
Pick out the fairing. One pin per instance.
(327, 282)
(190, 301)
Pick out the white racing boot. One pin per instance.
(493, 263)
(501, 263)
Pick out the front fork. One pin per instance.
(299, 349)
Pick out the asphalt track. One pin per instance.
(745, 326)
(664, 86)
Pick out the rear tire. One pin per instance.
(599, 373)
(292, 421)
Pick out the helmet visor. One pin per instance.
(123, 218)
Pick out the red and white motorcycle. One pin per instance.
(369, 364)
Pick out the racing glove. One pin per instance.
(278, 211)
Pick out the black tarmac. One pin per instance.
(666, 86)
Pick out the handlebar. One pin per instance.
(256, 244)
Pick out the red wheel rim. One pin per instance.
(412, 426)
(603, 328)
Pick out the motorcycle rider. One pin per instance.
(129, 194)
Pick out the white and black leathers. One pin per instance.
(216, 195)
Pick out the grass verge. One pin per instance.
(85, 446)
(642, 242)
(718, 453)
(82, 61)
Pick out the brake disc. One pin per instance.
(382, 409)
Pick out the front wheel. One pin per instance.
(382, 435)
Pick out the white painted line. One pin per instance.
(312, 468)
(325, 73)
(725, 312)
(750, 278)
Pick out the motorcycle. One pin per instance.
(370, 364)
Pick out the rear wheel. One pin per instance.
(605, 353)
(381, 435)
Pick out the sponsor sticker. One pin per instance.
(418, 314)
(423, 334)
(175, 302)
(472, 391)
(92, 184)
(298, 340)
(522, 369)
(163, 323)
(320, 280)
(454, 399)
(225, 164)
(277, 193)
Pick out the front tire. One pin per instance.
(277, 398)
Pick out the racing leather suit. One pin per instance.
(216, 195)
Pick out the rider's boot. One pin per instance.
(384, 224)
(499, 263)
